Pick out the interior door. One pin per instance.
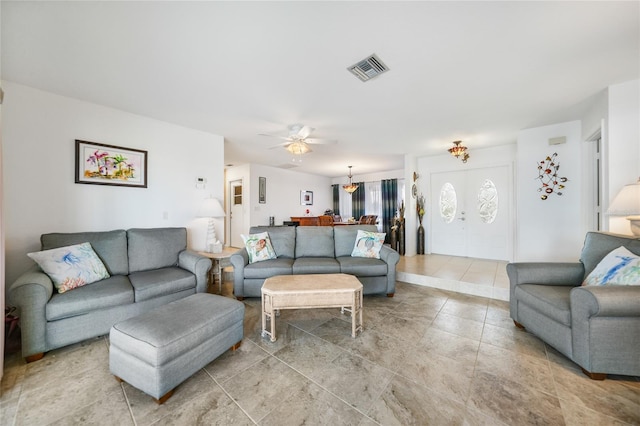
(236, 220)
(471, 213)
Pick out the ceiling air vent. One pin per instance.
(368, 68)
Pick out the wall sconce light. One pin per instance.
(458, 151)
(627, 203)
(351, 187)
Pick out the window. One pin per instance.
(448, 202)
(488, 201)
(373, 200)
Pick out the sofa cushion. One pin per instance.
(159, 282)
(155, 248)
(620, 267)
(259, 247)
(362, 266)
(110, 246)
(269, 268)
(368, 244)
(314, 241)
(316, 265)
(114, 291)
(345, 237)
(550, 300)
(598, 244)
(283, 239)
(71, 267)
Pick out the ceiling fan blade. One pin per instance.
(281, 145)
(286, 138)
(305, 131)
(317, 141)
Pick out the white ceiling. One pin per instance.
(475, 71)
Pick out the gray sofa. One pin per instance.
(597, 327)
(148, 268)
(315, 250)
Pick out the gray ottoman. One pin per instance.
(160, 349)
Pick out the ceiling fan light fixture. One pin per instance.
(298, 148)
(350, 187)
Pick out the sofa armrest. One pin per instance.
(391, 258)
(605, 328)
(541, 273)
(239, 260)
(605, 301)
(198, 265)
(30, 293)
(545, 273)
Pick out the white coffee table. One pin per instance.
(311, 291)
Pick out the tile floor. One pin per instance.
(479, 277)
(426, 357)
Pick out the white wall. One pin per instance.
(369, 177)
(282, 195)
(551, 229)
(622, 145)
(40, 196)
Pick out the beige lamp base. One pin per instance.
(634, 222)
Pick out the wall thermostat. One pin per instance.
(201, 182)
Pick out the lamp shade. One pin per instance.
(627, 202)
(211, 207)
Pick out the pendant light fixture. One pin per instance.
(351, 187)
(458, 151)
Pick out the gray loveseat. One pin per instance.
(147, 268)
(597, 327)
(315, 250)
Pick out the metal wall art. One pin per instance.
(550, 182)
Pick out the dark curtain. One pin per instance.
(389, 189)
(336, 198)
(357, 201)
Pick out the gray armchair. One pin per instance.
(597, 327)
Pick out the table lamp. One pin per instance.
(627, 203)
(211, 209)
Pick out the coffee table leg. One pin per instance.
(268, 313)
(273, 323)
(264, 316)
(356, 313)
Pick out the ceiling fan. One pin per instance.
(297, 142)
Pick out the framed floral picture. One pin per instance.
(100, 164)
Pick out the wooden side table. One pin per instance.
(220, 261)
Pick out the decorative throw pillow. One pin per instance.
(259, 247)
(72, 266)
(619, 267)
(368, 244)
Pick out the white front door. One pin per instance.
(470, 213)
(236, 221)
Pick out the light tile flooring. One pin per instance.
(478, 277)
(426, 357)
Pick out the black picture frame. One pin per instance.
(101, 164)
(262, 190)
